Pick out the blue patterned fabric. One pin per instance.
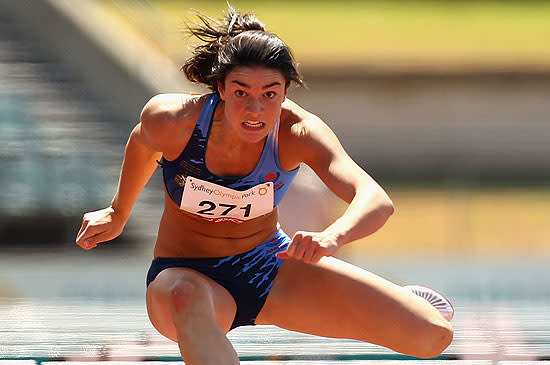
(192, 162)
(248, 276)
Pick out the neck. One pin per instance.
(227, 154)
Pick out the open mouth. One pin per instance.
(253, 124)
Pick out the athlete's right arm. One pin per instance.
(150, 138)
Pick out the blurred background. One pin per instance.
(445, 103)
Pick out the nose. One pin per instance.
(254, 106)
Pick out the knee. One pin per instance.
(185, 292)
(434, 339)
(181, 294)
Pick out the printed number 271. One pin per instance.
(210, 206)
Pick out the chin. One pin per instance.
(253, 137)
(250, 139)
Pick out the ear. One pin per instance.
(221, 90)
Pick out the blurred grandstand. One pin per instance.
(61, 136)
(73, 80)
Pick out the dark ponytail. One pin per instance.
(236, 40)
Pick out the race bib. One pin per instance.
(221, 204)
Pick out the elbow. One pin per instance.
(378, 203)
(385, 205)
(390, 209)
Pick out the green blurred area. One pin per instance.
(387, 35)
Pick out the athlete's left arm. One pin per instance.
(369, 205)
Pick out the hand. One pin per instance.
(99, 226)
(310, 247)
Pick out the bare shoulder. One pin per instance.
(299, 122)
(302, 135)
(311, 141)
(166, 119)
(170, 110)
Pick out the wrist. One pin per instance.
(119, 211)
(336, 235)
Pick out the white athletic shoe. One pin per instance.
(442, 304)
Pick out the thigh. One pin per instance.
(209, 295)
(336, 299)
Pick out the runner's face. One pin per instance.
(253, 96)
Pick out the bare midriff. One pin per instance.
(182, 234)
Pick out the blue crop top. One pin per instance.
(191, 162)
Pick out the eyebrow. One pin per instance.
(243, 84)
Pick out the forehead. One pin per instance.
(255, 76)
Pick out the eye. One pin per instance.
(240, 93)
(270, 94)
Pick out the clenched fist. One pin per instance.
(99, 226)
(310, 246)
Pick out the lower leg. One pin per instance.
(200, 338)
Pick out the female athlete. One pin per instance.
(221, 260)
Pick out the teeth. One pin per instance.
(253, 124)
